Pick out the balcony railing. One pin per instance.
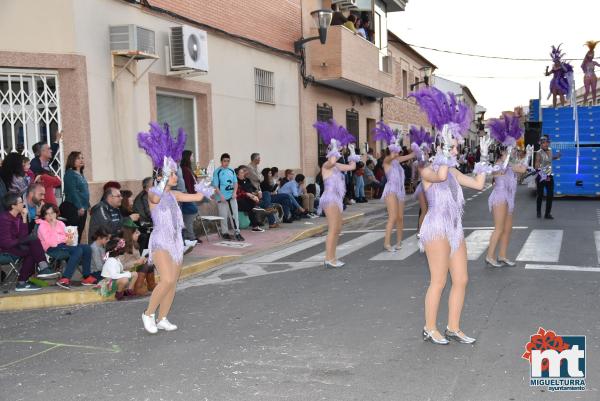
(350, 63)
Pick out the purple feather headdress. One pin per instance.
(329, 130)
(164, 151)
(420, 136)
(506, 130)
(444, 110)
(384, 132)
(556, 54)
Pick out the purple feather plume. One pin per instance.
(442, 109)
(329, 130)
(158, 143)
(420, 136)
(506, 130)
(384, 132)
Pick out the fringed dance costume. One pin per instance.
(444, 215)
(505, 188)
(395, 181)
(335, 189)
(168, 224)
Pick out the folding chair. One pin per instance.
(216, 220)
(13, 263)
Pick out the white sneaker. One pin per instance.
(164, 324)
(188, 242)
(149, 323)
(352, 201)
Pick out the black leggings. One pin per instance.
(246, 205)
(549, 185)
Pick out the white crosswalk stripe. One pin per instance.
(350, 246)
(477, 243)
(288, 251)
(409, 246)
(542, 246)
(597, 240)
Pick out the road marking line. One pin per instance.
(350, 246)
(542, 246)
(414, 229)
(272, 257)
(563, 267)
(477, 242)
(410, 245)
(597, 238)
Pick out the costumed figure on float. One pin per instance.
(393, 193)
(442, 236)
(166, 245)
(561, 84)
(588, 66)
(506, 131)
(331, 202)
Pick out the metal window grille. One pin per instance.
(263, 86)
(324, 113)
(29, 113)
(352, 122)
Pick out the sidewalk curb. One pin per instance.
(17, 302)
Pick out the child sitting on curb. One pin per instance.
(116, 280)
(99, 238)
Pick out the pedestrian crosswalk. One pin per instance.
(537, 249)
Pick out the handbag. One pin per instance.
(189, 208)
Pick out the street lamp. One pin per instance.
(322, 19)
(426, 72)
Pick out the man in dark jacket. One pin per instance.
(44, 155)
(107, 213)
(142, 207)
(16, 241)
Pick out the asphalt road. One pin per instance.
(280, 327)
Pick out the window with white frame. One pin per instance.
(179, 111)
(264, 91)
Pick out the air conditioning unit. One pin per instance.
(188, 49)
(345, 4)
(132, 38)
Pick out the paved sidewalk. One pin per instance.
(208, 255)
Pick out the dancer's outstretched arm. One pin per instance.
(346, 167)
(430, 175)
(476, 182)
(402, 159)
(181, 197)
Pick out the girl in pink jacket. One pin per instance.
(52, 235)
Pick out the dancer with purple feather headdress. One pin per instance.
(166, 242)
(331, 202)
(506, 131)
(393, 193)
(442, 234)
(590, 81)
(420, 143)
(562, 77)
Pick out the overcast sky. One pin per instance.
(509, 28)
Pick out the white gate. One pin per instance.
(29, 112)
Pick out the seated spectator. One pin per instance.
(371, 181)
(107, 213)
(35, 199)
(44, 155)
(269, 186)
(297, 189)
(100, 238)
(16, 241)
(365, 28)
(126, 203)
(275, 177)
(247, 201)
(13, 174)
(52, 235)
(252, 170)
(132, 259)
(359, 183)
(116, 280)
(287, 177)
(142, 207)
(3, 192)
(350, 23)
(338, 17)
(111, 184)
(50, 182)
(27, 169)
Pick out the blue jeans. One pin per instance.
(359, 186)
(81, 253)
(285, 202)
(265, 203)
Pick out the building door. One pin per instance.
(352, 126)
(29, 112)
(179, 111)
(372, 143)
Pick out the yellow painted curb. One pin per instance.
(15, 302)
